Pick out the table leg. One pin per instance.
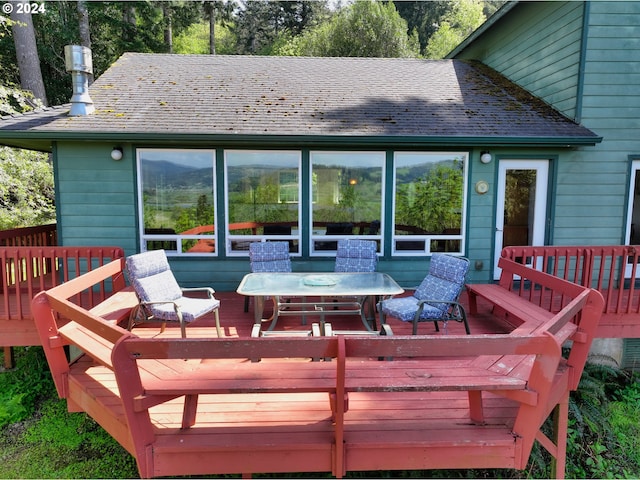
(276, 309)
(258, 309)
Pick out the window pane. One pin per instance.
(346, 190)
(263, 196)
(429, 202)
(177, 188)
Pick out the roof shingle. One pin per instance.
(256, 95)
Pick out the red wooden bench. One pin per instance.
(199, 406)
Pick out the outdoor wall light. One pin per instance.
(116, 153)
(485, 157)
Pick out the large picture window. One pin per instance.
(346, 198)
(429, 202)
(177, 200)
(263, 192)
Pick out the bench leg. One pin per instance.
(189, 412)
(473, 304)
(476, 412)
(560, 424)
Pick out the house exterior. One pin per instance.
(201, 155)
(582, 58)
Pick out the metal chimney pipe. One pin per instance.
(77, 60)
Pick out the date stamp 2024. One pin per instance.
(23, 7)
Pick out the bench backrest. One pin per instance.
(577, 309)
(61, 322)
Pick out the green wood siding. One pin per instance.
(96, 202)
(538, 46)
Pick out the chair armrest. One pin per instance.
(160, 302)
(210, 291)
(452, 302)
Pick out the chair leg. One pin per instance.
(133, 315)
(463, 314)
(218, 329)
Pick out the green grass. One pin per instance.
(40, 439)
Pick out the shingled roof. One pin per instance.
(213, 95)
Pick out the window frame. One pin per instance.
(144, 237)
(294, 237)
(429, 238)
(313, 237)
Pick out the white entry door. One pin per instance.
(521, 204)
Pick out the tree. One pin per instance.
(24, 38)
(423, 17)
(458, 24)
(26, 189)
(363, 29)
(83, 24)
(259, 24)
(196, 40)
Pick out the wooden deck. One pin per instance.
(204, 405)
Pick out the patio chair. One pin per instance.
(160, 296)
(268, 257)
(356, 256)
(436, 299)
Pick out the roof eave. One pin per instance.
(43, 141)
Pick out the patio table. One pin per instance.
(313, 290)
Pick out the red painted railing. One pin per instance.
(40, 236)
(29, 270)
(610, 269)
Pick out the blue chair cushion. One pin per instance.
(404, 308)
(158, 287)
(191, 308)
(269, 257)
(355, 255)
(444, 282)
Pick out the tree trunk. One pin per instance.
(168, 28)
(129, 22)
(212, 28)
(24, 38)
(83, 25)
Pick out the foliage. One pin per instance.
(24, 387)
(363, 29)
(195, 39)
(27, 195)
(259, 24)
(423, 17)
(434, 201)
(14, 100)
(464, 17)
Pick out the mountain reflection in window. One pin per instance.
(177, 199)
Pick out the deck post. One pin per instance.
(9, 358)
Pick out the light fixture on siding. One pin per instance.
(485, 157)
(116, 153)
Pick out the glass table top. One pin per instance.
(318, 284)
